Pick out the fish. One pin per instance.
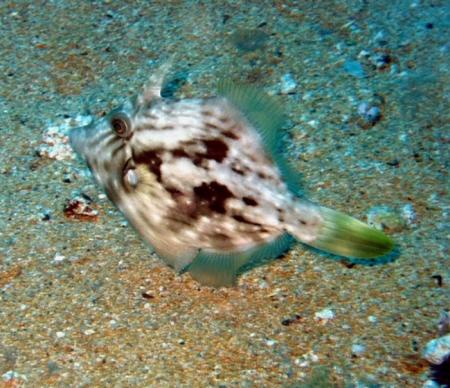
(205, 183)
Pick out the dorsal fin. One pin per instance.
(262, 111)
(152, 89)
(267, 116)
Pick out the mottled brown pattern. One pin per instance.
(152, 160)
(186, 206)
(213, 196)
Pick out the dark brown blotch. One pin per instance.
(180, 153)
(152, 160)
(216, 150)
(231, 135)
(249, 201)
(244, 220)
(237, 169)
(213, 195)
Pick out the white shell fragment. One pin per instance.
(324, 315)
(56, 141)
(437, 350)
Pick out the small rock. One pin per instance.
(370, 114)
(437, 350)
(409, 214)
(354, 68)
(385, 218)
(444, 323)
(382, 61)
(58, 258)
(80, 208)
(431, 384)
(324, 315)
(271, 342)
(12, 376)
(358, 349)
(291, 320)
(52, 367)
(56, 141)
(288, 84)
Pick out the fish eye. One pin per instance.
(121, 126)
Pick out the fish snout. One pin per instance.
(78, 140)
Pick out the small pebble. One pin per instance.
(58, 258)
(291, 320)
(13, 375)
(56, 142)
(358, 349)
(431, 384)
(444, 323)
(46, 215)
(271, 342)
(288, 84)
(437, 350)
(301, 363)
(60, 334)
(80, 208)
(372, 319)
(409, 214)
(52, 367)
(324, 315)
(370, 114)
(354, 68)
(385, 218)
(381, 61)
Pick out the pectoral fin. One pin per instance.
(217, 269)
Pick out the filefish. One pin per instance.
(204, 182)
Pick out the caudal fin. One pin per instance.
(340, 234)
